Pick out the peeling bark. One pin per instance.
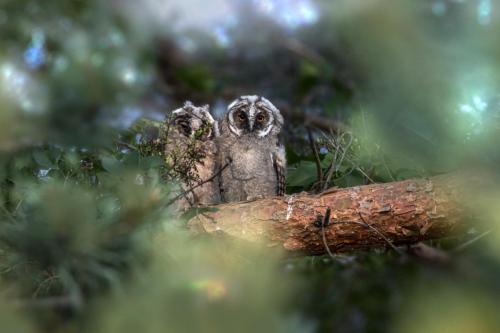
(400, 213)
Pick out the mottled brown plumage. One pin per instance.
(191, 151)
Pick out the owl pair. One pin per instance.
(239, 158)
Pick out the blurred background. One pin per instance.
(371, 91)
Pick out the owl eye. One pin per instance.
(260, 118)
(241, 116)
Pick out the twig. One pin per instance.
(47, 281)
(332, 168)
(379, 233)
(181, 195)
(337, 146)
(125, 144)
(461, 247)
(326, 221)
(387, 169)
(311, 120)
(360, 170)
(8, 214)
(369, 226)
(296, 46)
(319, 169)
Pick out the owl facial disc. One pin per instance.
(253, 114)
(194, 121)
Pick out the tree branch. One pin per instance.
(400, 213)
(311, 120)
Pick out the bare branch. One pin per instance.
(319, 122)
(183, 194)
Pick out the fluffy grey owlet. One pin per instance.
(190, 151)
(248, 145)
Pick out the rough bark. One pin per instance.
(368, 216)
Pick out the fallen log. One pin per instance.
(339, 220)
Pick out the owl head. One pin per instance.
(194, 121)
(253, 115)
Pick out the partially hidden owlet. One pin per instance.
(252, 160)
(190, 152)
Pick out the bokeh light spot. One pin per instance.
(34, 55)
(3, 17)
(439, 8)
(221, 36)
(60, 64)
(289, 13)
(484, 12)
(214, 289)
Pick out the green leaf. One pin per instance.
(110, 164)
(23, 161)
(350, 180)
(327, 160)
(42, 159)
(304, 175)
(54, 154)
(291, 156)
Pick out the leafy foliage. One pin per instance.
(87, 241)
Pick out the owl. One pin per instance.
(251, 159)
(190, 152)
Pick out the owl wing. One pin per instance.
(279, 161)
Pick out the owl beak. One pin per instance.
(251, 122)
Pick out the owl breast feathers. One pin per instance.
(248, 144)
(243, 162)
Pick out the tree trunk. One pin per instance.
(368, 216)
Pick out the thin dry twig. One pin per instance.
(387, 169)
(311, 120)
(391, 244)
(336, 143)
(326, 221)
(360, 170)
(314, 148)
(461, 247)
(125, 144)
(45, 282)
(296, 46)
(183, 194)
(369, 226)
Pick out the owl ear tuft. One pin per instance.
(233, 103)
(207, 115)
(188, 105)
